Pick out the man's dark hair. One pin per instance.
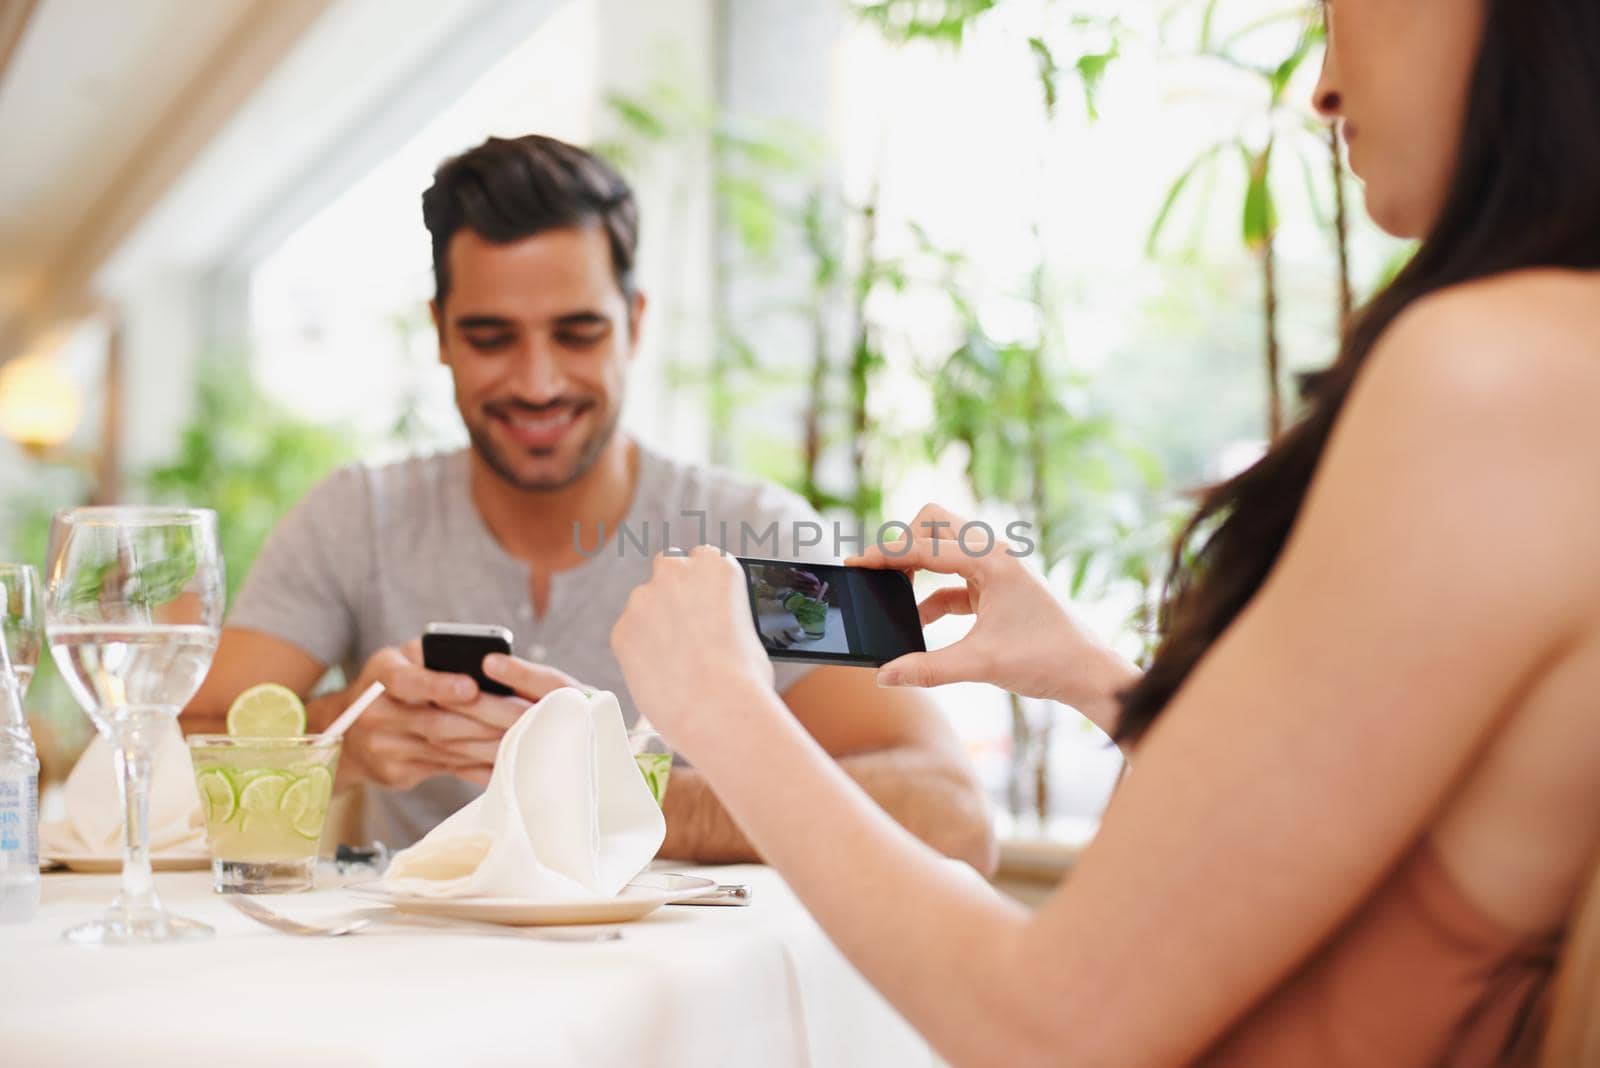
(504, 190)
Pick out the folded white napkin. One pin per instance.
(95, 817)
(567, 814)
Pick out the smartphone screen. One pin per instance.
(829, 613)
(461, 647)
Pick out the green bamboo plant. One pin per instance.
(1034, 443)
(246, 457)
(1287, 129)
(820, 227)
(947, 21)
(755, 166)
(1037, 445)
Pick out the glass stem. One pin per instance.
(134, 757)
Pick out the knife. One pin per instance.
(723, 894)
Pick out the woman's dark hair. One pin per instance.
(507, 189)
(1526, 193)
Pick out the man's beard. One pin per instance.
(587, 457)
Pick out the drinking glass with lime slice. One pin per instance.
(264, 792)
(654, 759)
(810, 612)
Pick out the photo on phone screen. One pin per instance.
(830, 613)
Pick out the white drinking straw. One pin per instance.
(351, 714)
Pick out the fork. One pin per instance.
(364, 918)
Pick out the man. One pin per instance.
(538, 321)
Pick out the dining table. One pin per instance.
(688, 985)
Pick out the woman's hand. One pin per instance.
(1023, 640)
(685, 633)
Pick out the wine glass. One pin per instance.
(133, 606)
(20, 620)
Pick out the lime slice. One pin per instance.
(656, 768)
(217, 797)
(262, 795)
(267, 711)
(305, 803)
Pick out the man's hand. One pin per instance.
(528, 680)
(493, 715)
(431, 723)
(426, 723)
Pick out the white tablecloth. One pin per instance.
(691, 986)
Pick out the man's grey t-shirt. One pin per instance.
(372, 555)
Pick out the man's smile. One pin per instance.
(542, 429)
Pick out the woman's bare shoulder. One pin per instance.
(1509, 320)
(1480, 409)
(1516, 348)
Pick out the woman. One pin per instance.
(1365, 802)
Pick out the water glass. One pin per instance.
(133, 607)
(21, 620)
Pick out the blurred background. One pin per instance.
(1050, 260)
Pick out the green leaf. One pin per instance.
(1207, 19)
(749, 208)
(88, 582)
(639, 117)
(1260, 215)
(737, 353)
(1045, 64)
(162, 580)
(1174, 192)
(1080, 573)
(943, 21)
(1280, 77)
(1092, 71)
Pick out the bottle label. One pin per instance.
(19, 820)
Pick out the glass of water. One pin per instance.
(21, 620)
(133, 607)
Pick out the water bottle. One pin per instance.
(19, 804)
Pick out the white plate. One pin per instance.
(99, 863)
(648, 892)
(191, 859)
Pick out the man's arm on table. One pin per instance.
(893, 742)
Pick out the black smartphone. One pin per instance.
(461, 647)
(832, 614)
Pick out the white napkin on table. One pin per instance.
(95, 818)
(567, 814)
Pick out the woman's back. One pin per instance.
(1520, 832)
(1449, 960)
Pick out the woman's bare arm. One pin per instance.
(1444, 557)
